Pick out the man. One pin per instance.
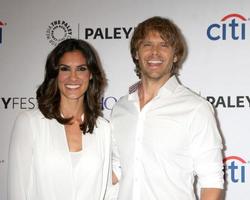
(164, 133)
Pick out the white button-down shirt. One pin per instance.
(163, 146)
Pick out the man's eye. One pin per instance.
(164, 45)
(146, 44)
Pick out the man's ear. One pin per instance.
(175, 59)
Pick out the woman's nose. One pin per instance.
(73, 74)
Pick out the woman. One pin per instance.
(62, 150)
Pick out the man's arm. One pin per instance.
(207, 153)
(211, 194)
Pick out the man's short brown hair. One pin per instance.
(169, 33)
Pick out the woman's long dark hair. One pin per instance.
(48, 94)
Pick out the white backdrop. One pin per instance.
(218, 66)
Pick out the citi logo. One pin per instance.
(235, 169)
(1, 31)
(232, 26)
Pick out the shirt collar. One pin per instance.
(170, 86)
(167, 89)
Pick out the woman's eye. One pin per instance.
(82, 68)
(64, 68)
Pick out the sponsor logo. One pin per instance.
(107, 33)
(2, 24)
(232, 26)
(235, 169)
(107, 103)
(17, 103)
(58, 31)
(229, 101)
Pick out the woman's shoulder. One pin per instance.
(102, 131)
(102, 125)
(102, 121)
(34, 114)
(25, 123)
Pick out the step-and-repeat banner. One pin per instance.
(217, 33)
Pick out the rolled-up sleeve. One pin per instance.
(206, 147)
